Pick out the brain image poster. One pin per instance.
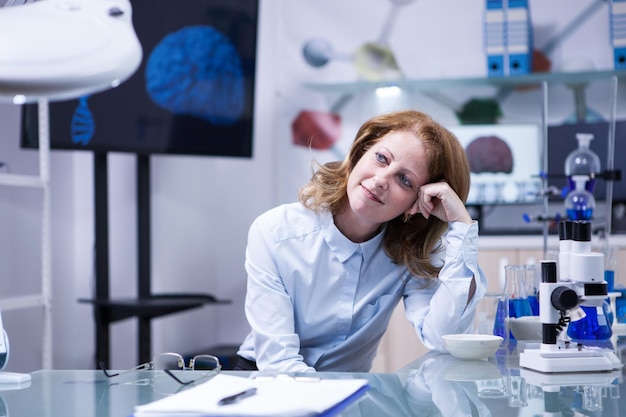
(192, 94)
(504, 162)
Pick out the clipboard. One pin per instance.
(280, 396)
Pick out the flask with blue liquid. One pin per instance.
(500, 323)
(595, 327)
(579, 203)
(532, 278)
(515, 287)
(516, 300)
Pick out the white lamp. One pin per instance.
(53, 50)
(63, 49)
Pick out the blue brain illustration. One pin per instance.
(196, 71)
(83, 124)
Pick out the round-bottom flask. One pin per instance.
(579, 203)
(582, 161)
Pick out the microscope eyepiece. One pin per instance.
(548, 271)
(581, 231)
(565, 230)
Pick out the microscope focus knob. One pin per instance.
(564, 298)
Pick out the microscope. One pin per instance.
(579, 281)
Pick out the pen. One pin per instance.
(237, 397)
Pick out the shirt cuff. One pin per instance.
(462, 241)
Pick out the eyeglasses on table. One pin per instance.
(170, 362)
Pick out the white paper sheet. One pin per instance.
(282, 396)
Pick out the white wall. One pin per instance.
(201, 210)
(202, 207)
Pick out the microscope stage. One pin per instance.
(569, 360)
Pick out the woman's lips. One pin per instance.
(370, 194)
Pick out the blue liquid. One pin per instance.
(499, 325)
(581, 214)
(589, 184)
(594, 326)
(609, 277)
(519, 307)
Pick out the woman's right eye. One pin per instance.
(380, 157)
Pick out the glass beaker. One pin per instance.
(532, 278)
(515, 290)
(595, 327)
(492, 316)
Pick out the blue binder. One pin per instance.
(617, 13)
(519, 40)
(508, 37)
(494, 32)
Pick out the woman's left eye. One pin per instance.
(406, 181)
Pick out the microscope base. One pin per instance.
(570, 360)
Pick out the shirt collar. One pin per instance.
(344, 248)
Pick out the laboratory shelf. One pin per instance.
(24, 301)
(427, 84)
(18, 180)
(41, 182)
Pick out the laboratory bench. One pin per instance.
(433, 384)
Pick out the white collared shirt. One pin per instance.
(318, 301)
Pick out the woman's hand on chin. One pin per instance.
(439, 200)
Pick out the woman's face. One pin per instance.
(385, 181)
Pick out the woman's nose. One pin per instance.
(380, 181)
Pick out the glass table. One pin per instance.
(433, 385)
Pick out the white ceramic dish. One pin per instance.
(526, 328)
(471, 346)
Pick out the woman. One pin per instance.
(325, 274)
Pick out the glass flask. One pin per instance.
(582, 161)
(594, 327)
(579, 203)
(515, 291)
(501, 320)
(532, 279)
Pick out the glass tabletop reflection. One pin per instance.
(433, 385)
